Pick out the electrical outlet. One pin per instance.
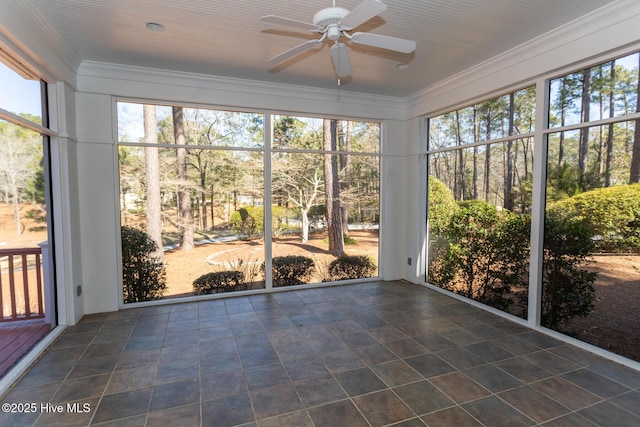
(409, 260)
(79, 290)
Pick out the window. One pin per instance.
(192, 186)
(312, 158)
(479, 200)
(479, 197)
(593, 205)
(26, 249)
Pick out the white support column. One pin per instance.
(538, 203)
(47, 280)
(268, 126)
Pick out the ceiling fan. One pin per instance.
(335, 23)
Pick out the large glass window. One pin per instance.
(326, 198)
(479, 200)
(192, 189)
(590, 289)
(26, 261)
(480, 188)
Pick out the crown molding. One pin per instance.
(532, 57)
(43, 45)
(130, 81)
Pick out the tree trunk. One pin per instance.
(185, 219)
(16, 209)
(332, 196)
(460, 175)
(345, 165)
(152, 175)
(609, 155)
(305, 224)
(584, 132)
(203, 198)
(476, 138)
(563, 94)
(635, 154)
(508, 179)
(213, 209)
(487, 160)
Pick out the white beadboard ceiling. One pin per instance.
(227, 38)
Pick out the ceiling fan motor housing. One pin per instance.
(329, 19)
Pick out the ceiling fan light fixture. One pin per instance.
(333, 32)
(155, 27)
(333, 23)
(329, 15)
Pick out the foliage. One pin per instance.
(567, 288)
(346, 239)
(441, 205)
(562, 181)
(220, 281)
(352, 267)
(486, 258)
(39, 216)
(246, 222)
(291, 270)
(249, 269)
(612, 213)
(486, 255)
(143, 275)
(20, 164)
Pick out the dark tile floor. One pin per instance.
(373, 354)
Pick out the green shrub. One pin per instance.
(291, 270)
(567, 289)
(352, 267)
(246, 223)
(484, 255)
(441, 205)
(220, 281)
(143, 275)
(486, 258)
(612, 213)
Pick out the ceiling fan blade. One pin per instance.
(289, 22)
(385, 42)
(341, 62)
(310, 44)
(362, 13)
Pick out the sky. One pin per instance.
(18, 95)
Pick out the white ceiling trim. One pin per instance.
(136, 82)
(42, 28)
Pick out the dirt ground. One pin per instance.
(184, 267)
(613, 325)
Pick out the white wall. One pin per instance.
(97, 187)
(403, 197)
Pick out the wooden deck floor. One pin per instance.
(17, 338)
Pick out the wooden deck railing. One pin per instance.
(21, 284)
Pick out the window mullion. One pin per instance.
(267, 229)
(538, 203)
